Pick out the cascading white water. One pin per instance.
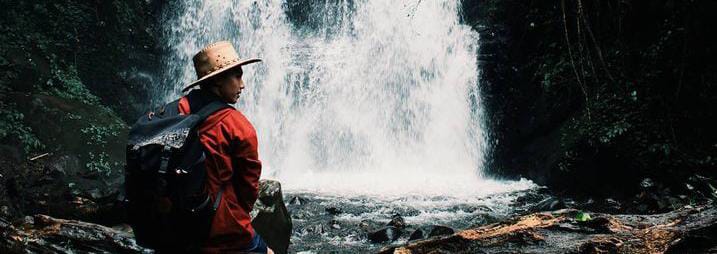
(362, 97)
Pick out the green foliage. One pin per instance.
(98, 135)
(13, 128)
(100, 163)
(613, 131)
(553, 73)
(582, 217)
(67, 84)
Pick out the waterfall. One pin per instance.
(353, 96)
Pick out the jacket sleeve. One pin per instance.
(217, 142)
(247, 166)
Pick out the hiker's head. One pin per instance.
(218, 68)
(226, 85)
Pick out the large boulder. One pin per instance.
(77, 171)
(270, 217)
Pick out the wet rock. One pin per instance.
(319, 229)
(387, 234)
(532, 197)
(549, 204)
(333, 210)
(613, 204)
(417, 234)
(62, 165)
(483, 219)
(45, 234)
(334, 224)
(28, 220)
(52, 185)
(397, 221)
(438, 230)
(297, 201)
(5, 211)
(271, 219)
(366, 225)
(95, 194)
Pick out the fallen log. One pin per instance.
(687, 230)
(45, 234)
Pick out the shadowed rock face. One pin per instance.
(270, 217)
(45, 234)
(688, 230)
(78, 174)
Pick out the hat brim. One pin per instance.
(228, 67)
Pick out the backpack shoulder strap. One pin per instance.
(210, 108)
(171, 108)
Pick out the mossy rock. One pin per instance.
(72, 127)
(81, 174)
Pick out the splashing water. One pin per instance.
(362, 97)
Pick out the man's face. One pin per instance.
(229, 85)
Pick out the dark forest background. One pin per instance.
(602, 98)
(594, 99)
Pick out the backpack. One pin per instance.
(164, 190)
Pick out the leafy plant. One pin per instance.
(67, 84)
(12, 127)
(582, 217)
(99, 163)
(99, 134)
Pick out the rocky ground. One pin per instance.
(685, 230)
(45, 234)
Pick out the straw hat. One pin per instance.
(214, 59)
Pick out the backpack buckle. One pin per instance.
(164, 159)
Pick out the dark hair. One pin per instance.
(212, 81)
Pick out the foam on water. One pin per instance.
(393, 186)
(425, 208)
(363, 97)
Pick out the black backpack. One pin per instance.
(165, 200)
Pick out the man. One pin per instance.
(230, 142)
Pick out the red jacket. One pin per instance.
(232, 164)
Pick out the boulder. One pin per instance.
(78, 172)
(333, 210)
(397, 221)
(271, 219)
(297, 201)
(386, 234)
(430, 231)
(549, 204)
(438, 230)
(418, 234)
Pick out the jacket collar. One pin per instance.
(199, 98)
